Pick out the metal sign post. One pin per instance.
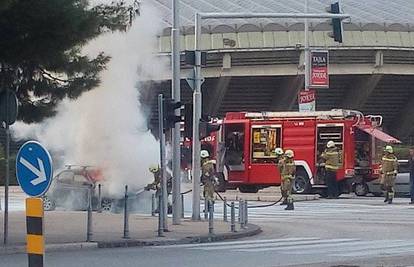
(8, 113)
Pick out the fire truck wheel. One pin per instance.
(361, 189)
(248, 189)
(301, 183)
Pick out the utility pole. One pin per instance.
(176, 136)
(307, 59)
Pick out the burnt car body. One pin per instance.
(71, 187)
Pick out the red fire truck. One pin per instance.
(244, 148)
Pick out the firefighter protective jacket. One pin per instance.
(331, 157)
(287, 168)
(389, 164)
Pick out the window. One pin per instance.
(328, 133)
(80, 179)
(234, 142)
(264, 141)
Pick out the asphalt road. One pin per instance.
(343, 232)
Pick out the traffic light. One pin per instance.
(337, 28)
(188, 120)
(206, 128)
(190, 57)
(169, 113)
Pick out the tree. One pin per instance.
(40, 49)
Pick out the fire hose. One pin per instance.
(254, 206)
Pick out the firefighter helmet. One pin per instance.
(289, 153)
(389, 149)
(279, 151)
(154, 168)
(204, 154)
(330, 144)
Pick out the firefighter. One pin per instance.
(279, 159)
(156, 185)
(332, 159)
(207, 175)
(389, 171)
(288, 171)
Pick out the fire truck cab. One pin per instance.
(244, 148)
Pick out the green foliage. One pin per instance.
(40, 49)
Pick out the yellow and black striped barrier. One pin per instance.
(35, 238)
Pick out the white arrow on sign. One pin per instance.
(41, 174)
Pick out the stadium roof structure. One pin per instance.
(394, 14)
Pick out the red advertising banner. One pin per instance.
(306, 100)
(319, 75)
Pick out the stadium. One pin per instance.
(258, 64)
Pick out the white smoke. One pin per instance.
(106, 126)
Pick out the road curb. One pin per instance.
(50, 247)
(251, 230)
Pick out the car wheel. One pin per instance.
(301, 184)
(106, 204)
(48, 204)
(361, 189)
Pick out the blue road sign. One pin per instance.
(34, 168)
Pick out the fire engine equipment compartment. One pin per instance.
(326, 133)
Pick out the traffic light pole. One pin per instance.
(197, 80)
(163, 205)
(176, 136)
(197, 102)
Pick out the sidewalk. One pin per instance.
(269, 194)
(67, 230)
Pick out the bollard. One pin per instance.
(210, 217)
(160, 216)
(153, 205)
(99, 198)
(232, 217)
(246, 212)
(225, 209)
(89, 217)
(239, 211)
(182, 206)
(126, 215)
(205, 209)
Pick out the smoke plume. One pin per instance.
(106, 127)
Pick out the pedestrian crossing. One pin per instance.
(337, 247)
(401, 212)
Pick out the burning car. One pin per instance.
(70, 189)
